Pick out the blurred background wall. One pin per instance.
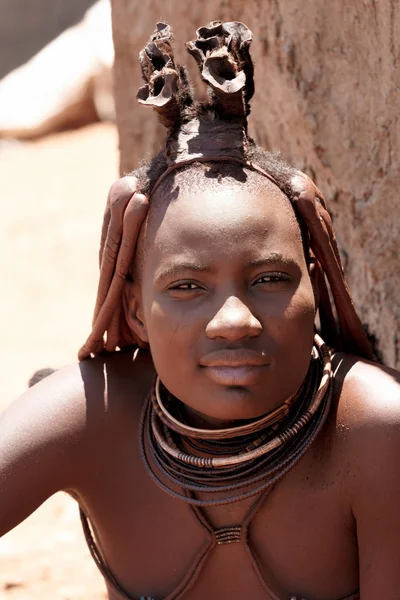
(28, 25)
(327, 95)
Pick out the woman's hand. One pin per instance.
(125, 212)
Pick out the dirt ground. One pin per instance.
(52, 198)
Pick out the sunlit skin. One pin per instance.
(226, 301)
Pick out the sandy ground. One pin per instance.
(52, 196)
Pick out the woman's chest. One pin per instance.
(299, 541)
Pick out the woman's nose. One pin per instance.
(233, 321)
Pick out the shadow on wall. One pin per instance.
(25, 27)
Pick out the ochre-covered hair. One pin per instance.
(213, 131)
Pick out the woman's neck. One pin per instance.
(194, 418)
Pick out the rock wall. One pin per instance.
(328, 83)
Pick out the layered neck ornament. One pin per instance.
(237, 462)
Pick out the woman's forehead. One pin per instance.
(225, 221)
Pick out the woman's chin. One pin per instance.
(232, 405)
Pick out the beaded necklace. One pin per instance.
(253, 456)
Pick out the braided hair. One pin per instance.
(212, 132)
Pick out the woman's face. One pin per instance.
(225, 300)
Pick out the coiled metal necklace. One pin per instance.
(243, 460)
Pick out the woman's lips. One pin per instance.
(234, 367)
(240, 375)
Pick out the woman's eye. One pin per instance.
(185, 287)
(272, 278)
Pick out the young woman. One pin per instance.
(248, 449)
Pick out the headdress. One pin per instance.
(212, 131)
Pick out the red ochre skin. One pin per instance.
(331, 525)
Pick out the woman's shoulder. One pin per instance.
(77, 405)
(367, 442)
(366, 423)
(368, 393)
(55, 436)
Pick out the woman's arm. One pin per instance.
(374, 456)
(377, 513)
(44, 445)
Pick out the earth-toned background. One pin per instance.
(53, 193)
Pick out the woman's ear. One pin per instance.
(133, 308)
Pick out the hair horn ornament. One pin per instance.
(164, 79)
(221, 51)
